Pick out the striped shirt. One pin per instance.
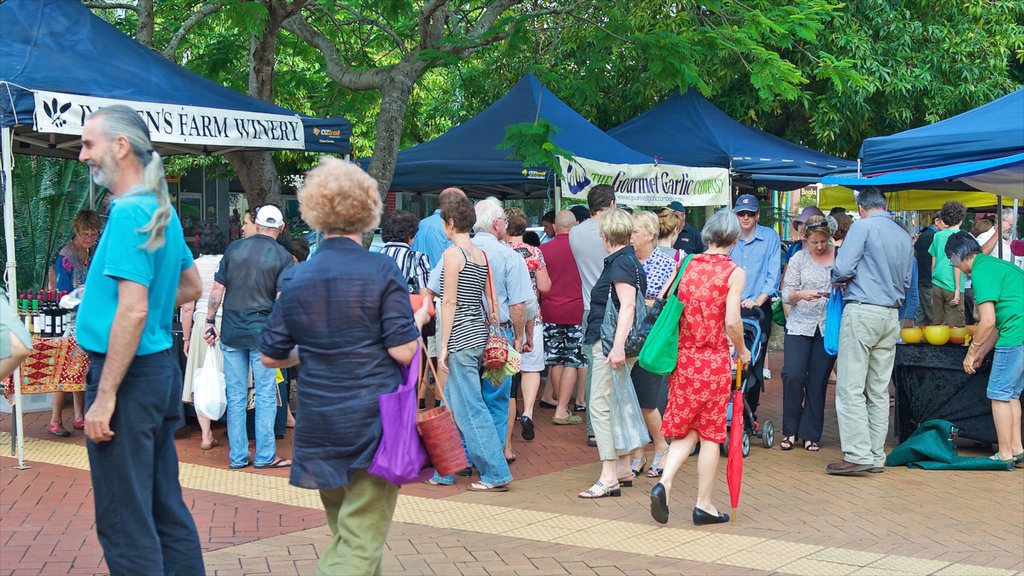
(415, 266)
(469, 327)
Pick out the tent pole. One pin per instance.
(92, 194)
(11, 276)
(999, 226)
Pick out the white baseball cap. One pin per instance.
(269, 217)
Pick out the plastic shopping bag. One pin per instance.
(833, 320)
(209, 392)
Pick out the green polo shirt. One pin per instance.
(1001, 283)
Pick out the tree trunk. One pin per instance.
(394, 103)
(144, 31)
(259, 177)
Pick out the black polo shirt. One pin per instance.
(689, 240)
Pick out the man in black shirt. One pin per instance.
(248, 282)
(924, 270)
(689, 237)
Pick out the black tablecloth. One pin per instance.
(931, 384)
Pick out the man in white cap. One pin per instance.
(247, 282)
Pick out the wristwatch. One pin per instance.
(211, 320)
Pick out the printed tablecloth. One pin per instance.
(56, 365)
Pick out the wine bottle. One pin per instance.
(37, 316)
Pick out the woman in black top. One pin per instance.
(622, 277)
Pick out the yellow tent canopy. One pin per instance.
(906, 199)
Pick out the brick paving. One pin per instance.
(792, 518)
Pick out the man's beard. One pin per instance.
(102, 175)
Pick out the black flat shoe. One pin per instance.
(527, 422)
(548, 405)
(465, 472)
(659, 505)
(701, 517)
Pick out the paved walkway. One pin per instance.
(793, 519)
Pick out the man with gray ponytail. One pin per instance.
(142, 269)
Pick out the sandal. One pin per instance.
(580, 408)
(656, 468)
(626, 482)
(600, 490)
(637, 465)
(787, 443)
(277, 463)
(485, 487)
(570, 419)
(79, 424)
(57, 429)
(811, 446)
(209, 445)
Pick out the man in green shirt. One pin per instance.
(999, 292)
(947, 284)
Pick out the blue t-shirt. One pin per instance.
(120, 255)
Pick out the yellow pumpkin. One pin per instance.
(911, 335)
(958, 335)
(937, 335)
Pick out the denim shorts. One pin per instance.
(1006, 382)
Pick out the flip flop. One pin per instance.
(277, 463)
(485, 487)
(208, 446)
(811, 446)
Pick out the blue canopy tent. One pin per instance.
(979, 150)
(687, 129)
(59, 62)
(468, 155)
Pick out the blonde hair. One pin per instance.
(646, 223)
(339, 198)
(668, 223)
(617, 226)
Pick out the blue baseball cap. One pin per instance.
(747, 203)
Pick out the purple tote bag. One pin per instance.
(401, 457)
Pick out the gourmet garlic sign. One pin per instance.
(646, 184)
(173, 123)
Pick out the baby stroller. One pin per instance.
(765, 431)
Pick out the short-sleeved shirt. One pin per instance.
(1001, 283)
(251, 272)
(534, 259)
(942, 274)
(343, 309)
(659, 268)
(563, 304)
(588, 250)
(620, 266)
(120, 256)
(689, 240)
(924, 258)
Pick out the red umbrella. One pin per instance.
(734, 466)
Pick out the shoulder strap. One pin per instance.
(678, 277)
(492, 298)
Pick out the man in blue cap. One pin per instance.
(689, 237)
(759, 253)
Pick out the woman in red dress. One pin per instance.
(699, 387)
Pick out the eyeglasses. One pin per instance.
(746, 214)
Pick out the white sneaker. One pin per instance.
(767, 374)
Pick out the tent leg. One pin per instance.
(11, 277)
(999, 226)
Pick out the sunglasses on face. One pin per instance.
(817, 225)
(746, 214)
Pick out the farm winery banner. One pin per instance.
(646, 184)
(175, 124)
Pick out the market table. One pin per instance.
(931, 384)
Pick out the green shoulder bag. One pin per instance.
(661, 350)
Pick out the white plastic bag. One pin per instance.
(209, 391)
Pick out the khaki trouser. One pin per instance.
(359, 516)
(867, 351)
(942, 311)
(924, 310)
(599, 404)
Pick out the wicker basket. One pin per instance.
(441, 437)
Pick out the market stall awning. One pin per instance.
(842, 196)
(1004, 176)
(59, 62)
(689, 130)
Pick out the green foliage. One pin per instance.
(48, 193)
(531, 143)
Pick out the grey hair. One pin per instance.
(1007, 212)
(871, 198)
(722, 229)
(488, 211)
(120, 120)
